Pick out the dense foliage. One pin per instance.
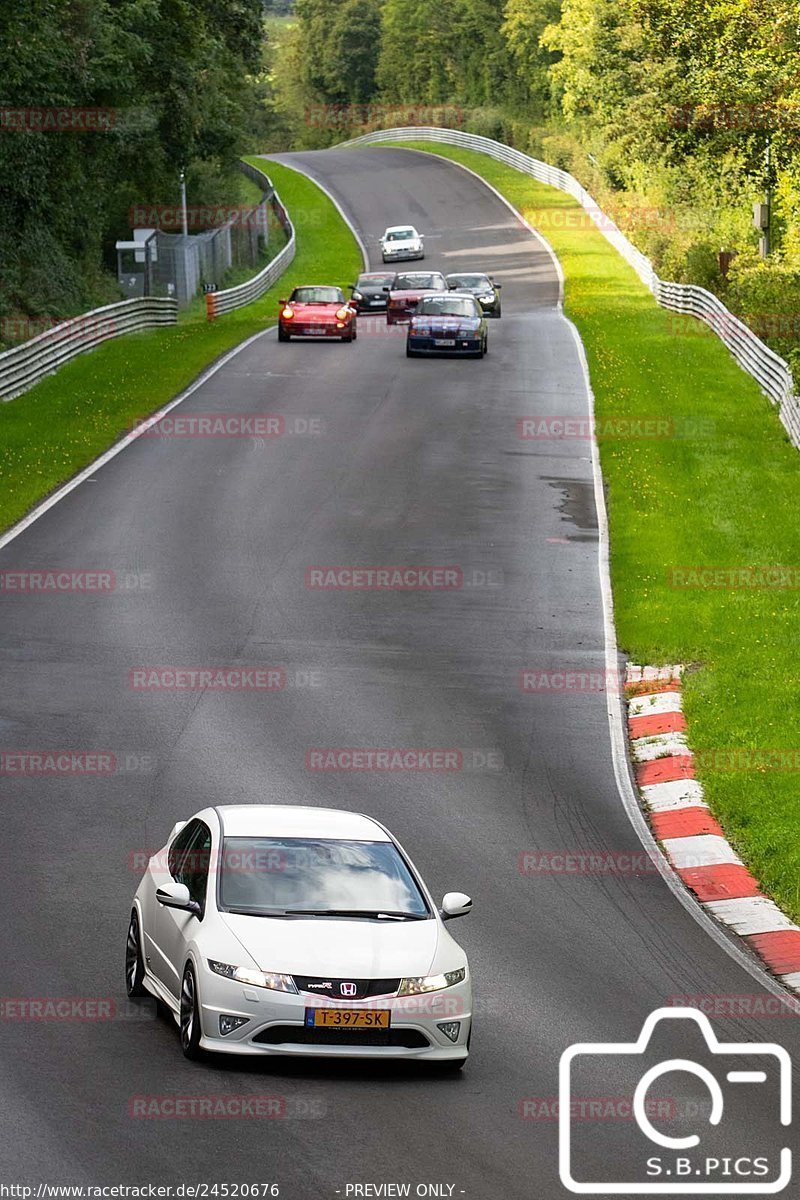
(180, 81)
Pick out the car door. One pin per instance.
(174, 926)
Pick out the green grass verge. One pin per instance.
(723, 490)
(51, 432)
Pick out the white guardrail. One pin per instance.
(244, 293)
(24, 365)
(770, 371)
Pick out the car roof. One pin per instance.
(297, 820)
(397, 228)
(464, 274)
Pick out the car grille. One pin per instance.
(298, 1035)
(332, 988)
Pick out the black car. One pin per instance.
(483, 287)
(450, 323)
(368, 293)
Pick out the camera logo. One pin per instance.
(759, 1075)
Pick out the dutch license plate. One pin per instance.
(444, 341)
(349, 1018)
(315, 332)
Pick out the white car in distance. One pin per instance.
(401, 242)
(271, 929)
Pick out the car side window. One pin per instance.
(179, 847)
(196, 862)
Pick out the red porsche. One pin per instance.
(317, 312)
(405, 291)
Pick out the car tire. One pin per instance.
(498, 312)
(134, 963)
(190, 1032)
(283, 336)
(409, 352)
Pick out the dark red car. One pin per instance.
(317, 311)
(405, 290)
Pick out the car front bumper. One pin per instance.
(277, 1023)
(425, 344)
(309, 330)
(402, 255)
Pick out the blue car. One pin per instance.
(450, 323)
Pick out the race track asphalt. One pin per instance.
(384, 461)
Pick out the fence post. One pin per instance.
(211, 306)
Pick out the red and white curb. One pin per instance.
(691, 838)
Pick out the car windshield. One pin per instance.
(471, 281)
(279, 876)
(400, 235)
(368, 281)
(447, 306)
(317, 295)
(418, 283)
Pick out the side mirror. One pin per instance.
(283, 302)
(455, 904)
(386, 289)
(497, 285)
(176, 895)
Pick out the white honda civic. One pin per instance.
(272, 929)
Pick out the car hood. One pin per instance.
(411, 294)
(315, 310)
(425, 323)
(335, 946)
(402, 245)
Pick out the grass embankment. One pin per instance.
(48, 434)
(723, 490)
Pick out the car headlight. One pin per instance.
(486, 299)
(418, 984)
(265, 979)
(357, 296)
